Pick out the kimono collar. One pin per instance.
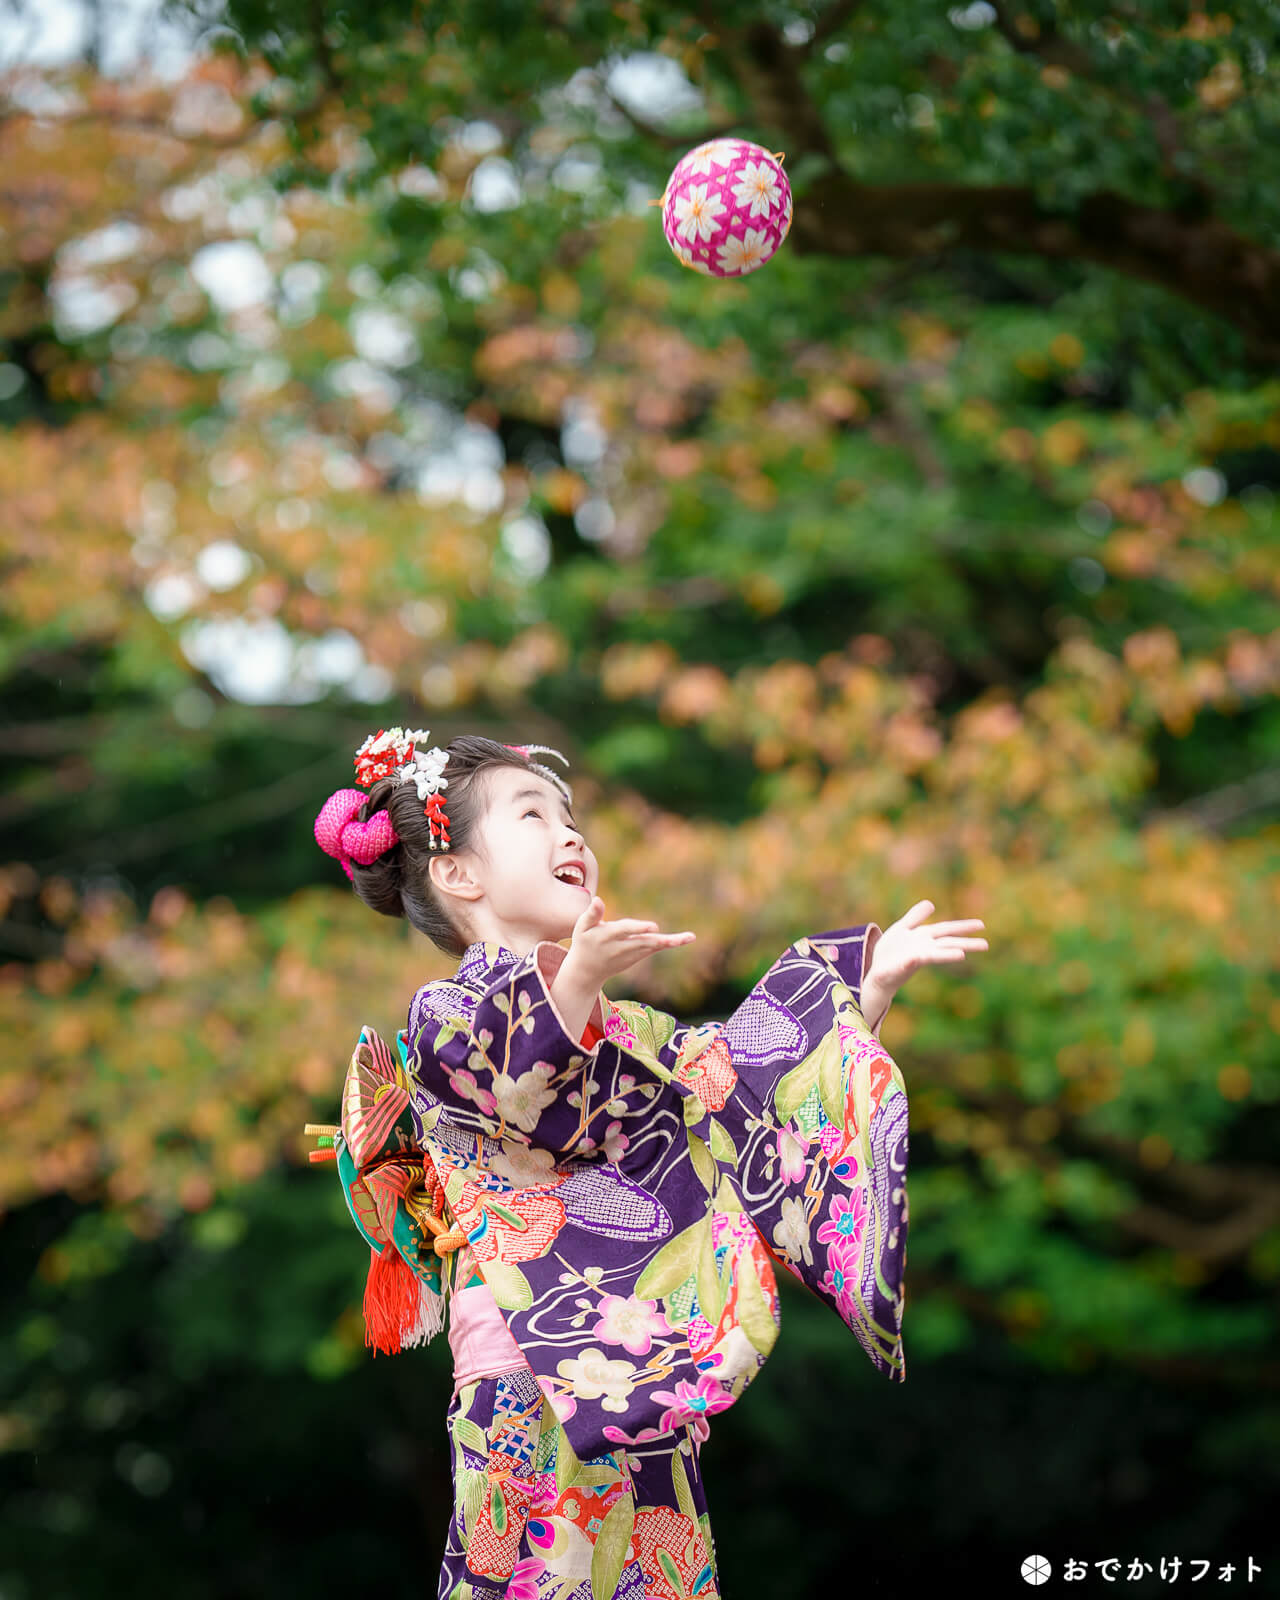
(482, 961)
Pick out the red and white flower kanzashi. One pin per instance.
(424, 769)
(396, 750)
(383, 752)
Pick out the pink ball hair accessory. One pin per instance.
(339, 834)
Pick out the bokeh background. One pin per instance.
(346, 379)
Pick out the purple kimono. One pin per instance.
(625, 1204)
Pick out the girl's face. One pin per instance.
(508, 886)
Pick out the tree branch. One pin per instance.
(130, 122)
(1193, 255)
(768, 69)
(681, 594)
(1220, 806)
(31, 942)
(1247, 1197)
(1045, 43)
(1200, 259)
(663, 136)
(201, 822)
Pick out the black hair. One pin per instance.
(398, 883)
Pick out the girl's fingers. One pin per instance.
(628, 931)
(632, 928)
(654, 940)
(923, 909)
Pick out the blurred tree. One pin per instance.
(349, 380)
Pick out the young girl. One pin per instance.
(596, 1190)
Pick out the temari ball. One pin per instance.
(726, 207)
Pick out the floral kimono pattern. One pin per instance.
(532, 1522)
(625, 1204)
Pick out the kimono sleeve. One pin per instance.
(502, 1062)
(809, 1111)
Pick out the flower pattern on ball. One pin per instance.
(699, 213)
(757, 188)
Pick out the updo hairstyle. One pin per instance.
(398, 883)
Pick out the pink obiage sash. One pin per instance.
(479, 1337)
(478, 1334)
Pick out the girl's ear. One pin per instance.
(450, 875)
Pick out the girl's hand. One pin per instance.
(909, 944)
(599, 949)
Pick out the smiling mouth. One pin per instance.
(572, 882)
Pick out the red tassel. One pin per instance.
(391, 1298)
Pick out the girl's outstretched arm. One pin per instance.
(906, 946)
(598, 951)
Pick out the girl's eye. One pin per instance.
(534, 812)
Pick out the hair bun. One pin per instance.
(341, 834)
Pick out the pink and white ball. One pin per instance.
(726, 207)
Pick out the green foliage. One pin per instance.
(936, 558)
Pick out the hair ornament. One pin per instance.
(528, 750)
(397, 751)
(384, 752)
(339, 834)
(424, 770)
